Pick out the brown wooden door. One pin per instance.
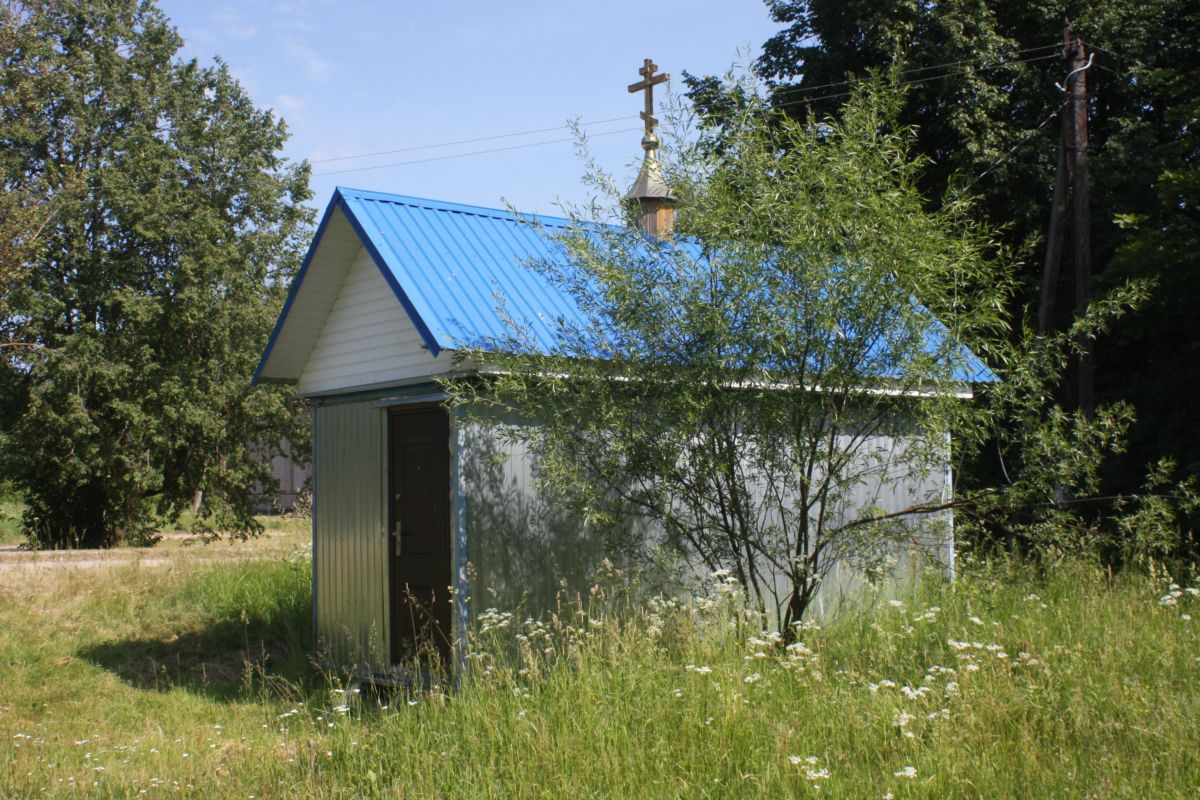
(419, 527)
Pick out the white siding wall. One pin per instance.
(368, 338)
(314, 298)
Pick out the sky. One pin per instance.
(355, 76)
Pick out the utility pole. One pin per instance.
(1077, 87)
(1058, 213)
(1071, 188)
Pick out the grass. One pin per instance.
(194, 681)
(11, 509)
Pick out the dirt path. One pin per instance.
(44, 562)
(175, 549)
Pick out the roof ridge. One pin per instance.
(453, 207)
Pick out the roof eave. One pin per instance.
(293, 290)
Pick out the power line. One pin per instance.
(472, 153)
(920, 80)
(531, 132)
(927, 69)
(467, 141)
(1013, 149)
(1004, 60)
(629, 130)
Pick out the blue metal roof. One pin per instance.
(462, 272)
(454, 267)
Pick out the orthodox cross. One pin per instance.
(648, 82)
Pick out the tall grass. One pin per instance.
(1013, 682)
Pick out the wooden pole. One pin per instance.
(1071, 188)
(1080, 223)
(1054, 236)
(1058, 210)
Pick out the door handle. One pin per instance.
(399, 540)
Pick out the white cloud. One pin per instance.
(294, 15)
(314, 63)
(232, 23)
(289, 104)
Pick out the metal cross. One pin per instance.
(648, 82)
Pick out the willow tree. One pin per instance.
(982, 97)
(145, 303)
(799, 345)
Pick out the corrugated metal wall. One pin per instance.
(350, 545)
(523, 547)
(524, 550)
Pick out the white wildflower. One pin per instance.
(930, 615)
(798, 650)
(907, 772)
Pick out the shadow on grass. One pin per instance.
(228, 659)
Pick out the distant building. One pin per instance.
(293, 476)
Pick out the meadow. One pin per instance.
(194, 679)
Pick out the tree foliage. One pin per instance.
(176, 225)
(982, 99)
(772, 386)
(26, 210)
